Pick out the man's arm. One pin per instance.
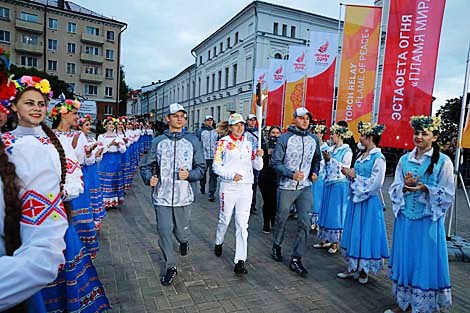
(315, 166)
(277, 158)
(149, 162)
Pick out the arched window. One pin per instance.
(278, 56)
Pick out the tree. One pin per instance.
(450, 114)
(123, 91)
(58, 86)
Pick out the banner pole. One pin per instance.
(378, 87)
(457, 161)
(337, 65)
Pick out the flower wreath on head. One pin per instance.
(341, 130)
(319, 129)
(123, 119)
(369, 129)
(36, 82)
(426, 123)
(7, 88)
(110, 119)
(84, 119)
(64, 107)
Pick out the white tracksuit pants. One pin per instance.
(238, 197)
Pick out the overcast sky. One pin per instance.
(161, 33)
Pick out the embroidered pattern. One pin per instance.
(71, 166)
(36, 208)
(8, 140)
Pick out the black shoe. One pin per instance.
(184, 248)
(203, 190)
(218, 250)
(276, 254)
(266, 229)
(169, 276)
(211, 198)
(240, 268)
(296, 266)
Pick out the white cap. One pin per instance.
(176, 107)
(301, 112)
(208, 117)
(250, 116)
(235, 118)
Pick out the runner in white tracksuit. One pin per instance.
(234, 161)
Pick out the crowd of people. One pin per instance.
(56, 185)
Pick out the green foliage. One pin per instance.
(58, 86)
(450, 114)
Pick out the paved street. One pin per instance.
(129, 265)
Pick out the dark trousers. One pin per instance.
(269, 192)
(212, 178)
(255, 185)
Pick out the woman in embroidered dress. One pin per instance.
(318, 185)
(111, 177)
(364, 241)
(90, 172)
(234, 161)
(64, 118)
(77, 287)
(336, 190)
(126, 156)
(422, 191)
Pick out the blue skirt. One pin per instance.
(147, 142)
(140, 142)
(126, 169)
(133, 157)
(419, 266)
(83, 220)
(333, 211)
(92, 180)
(111, 178)
(364, 241)
(77, 288)
(317, 192)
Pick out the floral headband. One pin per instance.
(123, 119)
(369, 129)
(110, 119)
(36, 82)
(83, 120)
(340, 130)
(64, 107)
(319, 129)
(427, 123)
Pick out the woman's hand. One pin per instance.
(237, 177)
(326, 155)
(410, 180)
(259, 153)
(350, 172)
(153, 181)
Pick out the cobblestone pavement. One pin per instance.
(129, 265)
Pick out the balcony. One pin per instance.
(29, 26)
(30, 48)
(97, 40)
(92, 78)
(93, 58)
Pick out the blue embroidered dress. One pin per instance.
(317, 188)
(335, 195)
(364, 241)
(418, 264)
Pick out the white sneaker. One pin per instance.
(364, 280)
(343, 275)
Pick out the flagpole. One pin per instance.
(335, 99)
(457, 161)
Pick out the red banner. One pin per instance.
(358, 65)
(321, 63)
(276, 81)
(414, 28)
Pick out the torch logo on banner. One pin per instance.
(261, 78)
(278, 76)
(322, 57)
(299, 64)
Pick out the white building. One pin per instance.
(221, 79)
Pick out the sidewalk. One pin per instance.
(129, 265)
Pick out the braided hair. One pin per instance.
(435, 154)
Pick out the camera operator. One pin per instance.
(268, 180)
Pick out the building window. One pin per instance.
(278, 56)
(236, 37)
(4, 36)
(292, 31)
(4, 13)
(228, 42)
(200, 60)
(219, 80)
(71, 47)
(221, 48)
(91, 70)
(226, 76)
(52, 44)
(29, 39)
(217, 114)
(215, 51)
(213, 82)
(52, 65)
(91, 90)
(109, 73)
(208, 55)
(207, 84)
(53, 23)
(275, 28)
(109, 54)
(199, 86)
(234, 74)
(90, 30)
(182, 93)
(92, 50)
(284, 30)
(29, 61)
(110, 35)
(71, 68)
(28, 17)
(71, 27)
(108, 91)
(108, 110)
